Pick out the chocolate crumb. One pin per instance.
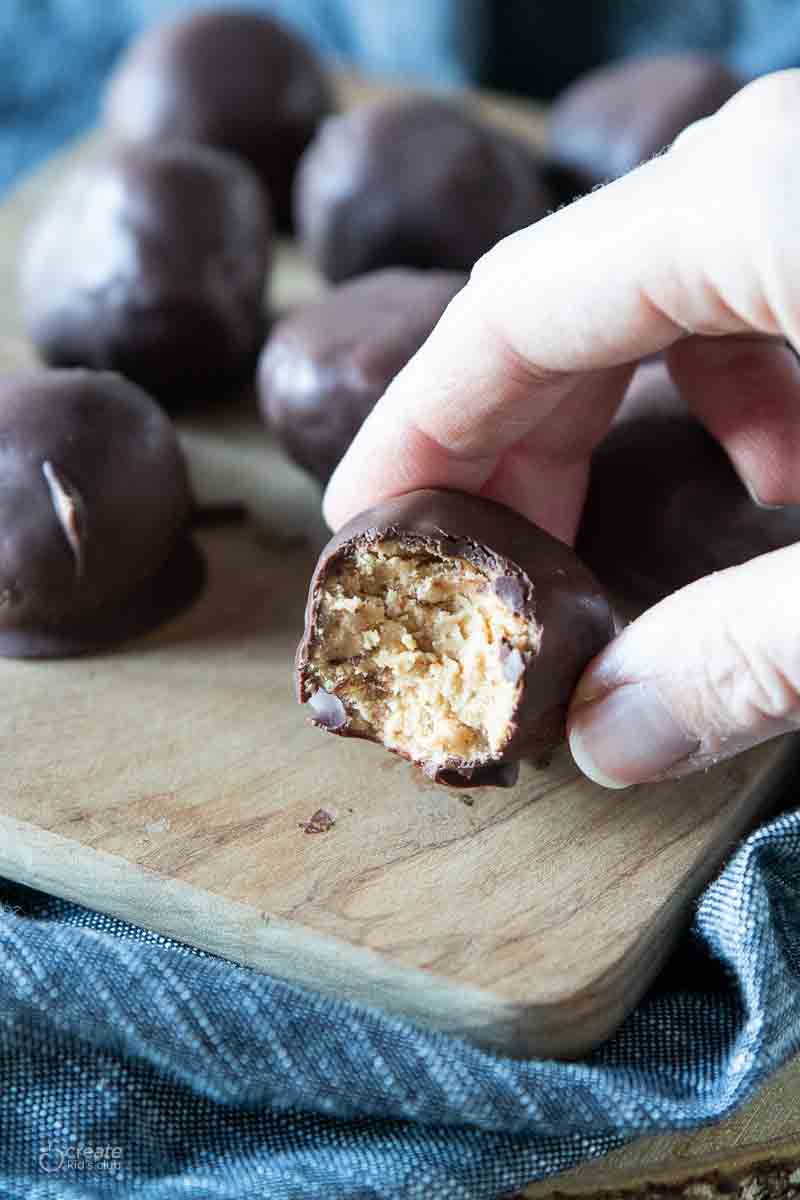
(319, 822)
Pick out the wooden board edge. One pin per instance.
(325, 963)
(597, 1181)
(242, 934)
(288, 950)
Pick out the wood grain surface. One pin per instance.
(168, 783)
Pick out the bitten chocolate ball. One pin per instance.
(152, 261)
(412, 182)
(664, 506)
(325, 366)
(228, 78)
(94, 507)
(616, 117)
(451, 631)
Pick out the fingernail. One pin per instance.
(760, 503)
(627, 737)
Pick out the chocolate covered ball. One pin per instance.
(325, 366)
(450, 630)
(412, 182)
(94, 507)
(152, 261)
(228, 78)
(618, 116)
(665, 506)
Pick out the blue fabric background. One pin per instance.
(214, 1081)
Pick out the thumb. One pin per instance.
(708, 672)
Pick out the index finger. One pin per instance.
(521, 376)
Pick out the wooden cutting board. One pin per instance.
(168, 783)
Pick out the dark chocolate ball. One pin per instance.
(450, 630)
(617, 116)
(94, 506)
(414, 182)
(664, 505)
(325, 366)
(152, 261)
(227, 78)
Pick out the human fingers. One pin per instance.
(746, 391)
(643, 711)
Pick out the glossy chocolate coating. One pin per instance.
(325, 366)
(617, 116)
(228, 78)
(413, 182)
(665, 507)
(533, 574)
(94, 508)
(152, 262)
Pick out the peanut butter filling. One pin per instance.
(421, 650)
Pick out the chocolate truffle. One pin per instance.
(665, 507)
(450, 630)
(94, 505)
(152, 262)
(228, 78)
(617, 116)
(325, 366)
(414, 182)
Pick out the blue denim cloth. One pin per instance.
(211, 1080)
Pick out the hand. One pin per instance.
(521, 378)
